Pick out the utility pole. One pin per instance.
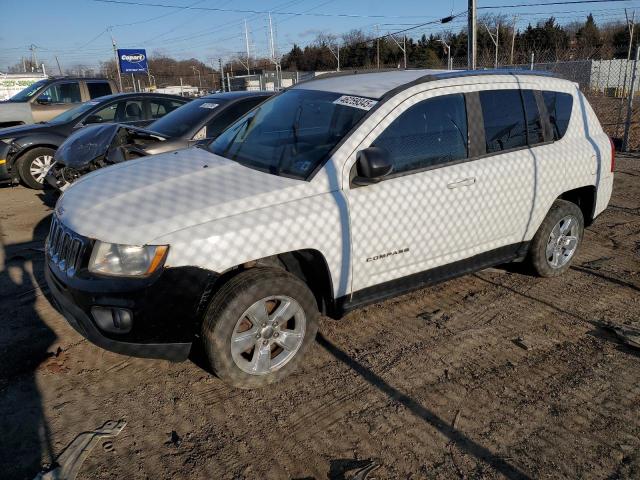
(115, 54)
(513, 38)
(194, 77)
(494, 40)
(335, 55)
(221, 73)
(275, 60)
(34, 55)
(246, 37)
(402, 48)
(24, 65)
(59, 67)
(627, 123)
(378, 45)
(472, 35)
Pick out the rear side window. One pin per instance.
(98, 89)
(504, 121)
(429, 133)
(159, 107)
(534, 121)
(559, 107)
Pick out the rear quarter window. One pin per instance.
(559, 106)
(98, 89)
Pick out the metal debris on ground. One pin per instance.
(629, 335)
(174, 439)
(363, 473)
(67, 465)
(522, 343)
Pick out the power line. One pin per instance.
(571, 2)
(265, 12)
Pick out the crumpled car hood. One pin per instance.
(90, 143)
(137, 201)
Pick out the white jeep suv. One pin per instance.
(336, 193)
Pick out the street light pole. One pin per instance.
(448, 49)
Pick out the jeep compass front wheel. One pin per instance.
(259, 326)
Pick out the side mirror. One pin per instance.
(372, 164)
(44, 100)
(93, 119)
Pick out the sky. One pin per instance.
(79, 31)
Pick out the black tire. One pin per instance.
(537, 257)
(227, 308)
(24, 166)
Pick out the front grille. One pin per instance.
(64, 247)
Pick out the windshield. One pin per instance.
(185, 119)
(293, 132)
(73, 113)
(27, 93)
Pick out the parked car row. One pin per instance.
(28, 151)
(331, 195)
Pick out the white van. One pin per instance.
(336, 193)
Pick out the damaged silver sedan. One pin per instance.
(98, 146)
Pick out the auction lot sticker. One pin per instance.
(356, 102)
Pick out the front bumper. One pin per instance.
(166, 309)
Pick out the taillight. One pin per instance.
(613, 155)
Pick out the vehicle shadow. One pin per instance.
(25, 341)
(463, 442)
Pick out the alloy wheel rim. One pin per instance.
(268, 335)
(40, 167)
(563, 242)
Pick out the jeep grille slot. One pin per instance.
(64, 248)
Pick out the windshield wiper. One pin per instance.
(241, 128)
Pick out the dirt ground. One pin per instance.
(434, 384)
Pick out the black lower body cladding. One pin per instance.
(165, 311)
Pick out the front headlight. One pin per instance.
(126, 260)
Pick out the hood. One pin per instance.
(138, 201)
(95, 141)
(21, 130)
(15, 112)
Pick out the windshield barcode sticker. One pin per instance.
(209, 105)
(356, 102)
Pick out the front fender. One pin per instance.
(319, 222)
(23, 144)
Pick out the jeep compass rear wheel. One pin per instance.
(557, 240)
(259, 326)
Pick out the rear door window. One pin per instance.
(132, 111)
(98, 89)
(427, 134)
(505, 127)
(559, 107)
